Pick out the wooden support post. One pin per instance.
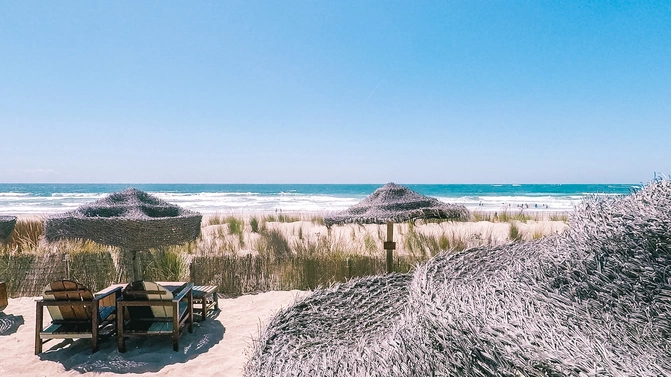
(39, 322)
(390, 245)
(66, 259)
(137, 266)
(3, 295)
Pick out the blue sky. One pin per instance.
(335, 92)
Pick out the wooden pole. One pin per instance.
(66, 259)
(137, 266)
(3, 296)
(390, 245)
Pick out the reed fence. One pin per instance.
(27, 274)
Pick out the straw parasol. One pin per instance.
(394, 203)
(397, 203)
(6, 226)
(130, 219)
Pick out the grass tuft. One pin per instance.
(317, 220)
(26, 236)
(215, 220)
(274, 244)
(254, 223)
(561, 216)
(235, 226)
(514, 233)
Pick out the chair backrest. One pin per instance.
(68, 290)
(148, 291)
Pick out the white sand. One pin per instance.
(217, 347)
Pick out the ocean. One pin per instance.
(45, 199)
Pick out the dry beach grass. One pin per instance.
(256, 253)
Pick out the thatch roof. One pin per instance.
(397, 203)
(592, 301)
(6, 226)
(130, 219)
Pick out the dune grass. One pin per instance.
(521, 216)
(25, 236)
(284, 254)
(514, 233)
(254, 224)
(281, 218)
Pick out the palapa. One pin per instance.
(130, 219)
(397, 203)
(7, 224)
(592, 301)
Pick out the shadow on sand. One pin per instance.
(9, 323)
(147, 354)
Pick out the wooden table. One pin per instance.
(205, 296)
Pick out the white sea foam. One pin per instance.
(209, 203)
(287, 200)
(536, 203)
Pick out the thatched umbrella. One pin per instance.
(397, 203)
(130, 219)
(6, 226)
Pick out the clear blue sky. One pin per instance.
(335, 92)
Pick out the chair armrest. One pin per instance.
(106, 292)
(180, 296)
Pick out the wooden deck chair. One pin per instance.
(150, 309)
(75, 313)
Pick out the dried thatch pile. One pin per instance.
(6, 226)
(396, 203)
(130, 219)
(593, 301)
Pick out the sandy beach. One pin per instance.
(216, 347)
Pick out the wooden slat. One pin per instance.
(141, 293)
(78, 292)
(82, 335)
(51, 329)
(105, 311)
(148, 328)
(67, 331)
(161, 327)
(183, 307)
(201, 291)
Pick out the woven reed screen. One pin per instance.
(27, 274)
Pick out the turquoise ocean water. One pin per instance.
(20, 199)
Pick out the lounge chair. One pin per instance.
(153, 309)
(75, 313)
